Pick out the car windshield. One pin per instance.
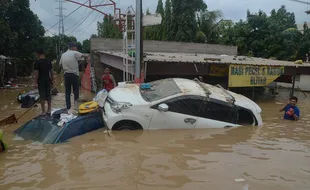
(40, 130)
(160, 89)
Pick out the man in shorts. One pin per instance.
(44, 80)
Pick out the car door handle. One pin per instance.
(190, 120)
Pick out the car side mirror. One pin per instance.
(163, 107)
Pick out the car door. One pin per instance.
(217, 114)
(181, 114)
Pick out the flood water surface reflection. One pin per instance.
(275, 156)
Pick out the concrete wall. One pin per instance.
(164, 46)
(302, 81)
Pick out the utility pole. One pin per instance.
(61, 27)
(138, 41)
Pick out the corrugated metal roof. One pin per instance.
(208, 58)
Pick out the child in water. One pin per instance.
(291, 111)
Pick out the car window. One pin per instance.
(160, 89)
(219, 112)
(188, 106)
(245, 117)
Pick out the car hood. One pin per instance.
(128, 93)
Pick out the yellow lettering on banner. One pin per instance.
(249, 76)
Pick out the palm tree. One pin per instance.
(208, 22)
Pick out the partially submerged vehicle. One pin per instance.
(27, 99)
(46, 129)
(32, 95)
(177, 103)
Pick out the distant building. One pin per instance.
(300, 27)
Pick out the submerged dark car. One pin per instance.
(45, 129)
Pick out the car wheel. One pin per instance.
(127, 126)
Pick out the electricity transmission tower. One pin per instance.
(61, 27)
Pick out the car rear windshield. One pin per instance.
(40, 129)
(160, 89)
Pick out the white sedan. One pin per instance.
(177, 103)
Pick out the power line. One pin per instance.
(80, 23)
(83, 21)
(83, 16)
(65, 17)
(89, 25)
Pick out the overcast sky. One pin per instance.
(83, 22)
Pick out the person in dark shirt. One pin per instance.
(44, 80)
(291, 111)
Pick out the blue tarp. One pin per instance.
(45, 130)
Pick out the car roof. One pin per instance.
(191, 87)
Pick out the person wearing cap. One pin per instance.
(3, 146)
(70, 66)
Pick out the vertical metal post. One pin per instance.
(141, 45)
(138, 39)
(293, 86)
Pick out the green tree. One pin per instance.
(167, 22)
(158, 29)
(148, 12)
(108, 29)
(266, 36)
(209, 22)
(26, 33)
(184, 16)
(304, 46)
(86, 46)
(200, 37)
(160, 8)
(291, 42)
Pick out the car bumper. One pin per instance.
(110, 117)
(259, 120)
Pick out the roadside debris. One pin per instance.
(239, 180)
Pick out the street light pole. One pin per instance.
(138, 40)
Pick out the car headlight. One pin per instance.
(119, 106)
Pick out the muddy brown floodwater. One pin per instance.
(275, 156)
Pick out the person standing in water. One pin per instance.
(108, 81)
(291, 111)
(69, 62)
(43, 80)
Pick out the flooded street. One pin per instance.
(275, 156)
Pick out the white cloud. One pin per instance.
(232, 9)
